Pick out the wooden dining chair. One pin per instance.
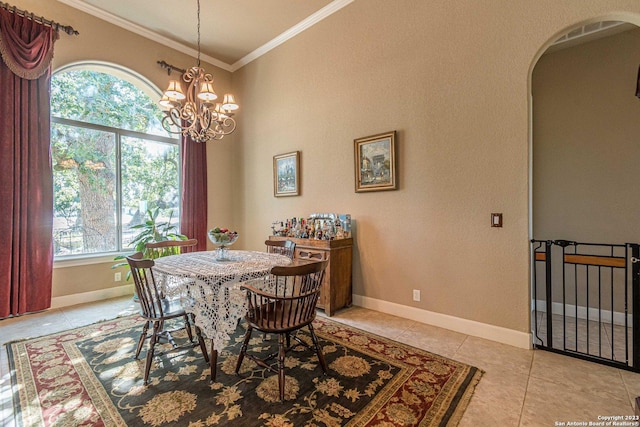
(282, 303)
(155, 250)
(156, 309)
(282, 247)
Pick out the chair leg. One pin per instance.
(318, 348)
(187, 326)
(203, 345)
(281, 353)
(152, 344)
(143, 337)
(213, 361)
(243, 349)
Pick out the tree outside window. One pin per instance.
(112, 161)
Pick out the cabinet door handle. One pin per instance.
(310, 255)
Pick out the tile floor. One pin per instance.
(604, 339)
(519, 388)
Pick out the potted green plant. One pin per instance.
(150, 231)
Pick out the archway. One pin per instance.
(583, 150)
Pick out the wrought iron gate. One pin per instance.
(586, 301)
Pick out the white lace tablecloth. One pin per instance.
(210, 289)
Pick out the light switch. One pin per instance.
(496, 220)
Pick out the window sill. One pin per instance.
(84, 260)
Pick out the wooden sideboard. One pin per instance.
(336, 286)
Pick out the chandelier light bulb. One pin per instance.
(229, 102)
(174, 90)
(167, 102)
(220, 111)
(206, 92)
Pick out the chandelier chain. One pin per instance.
(198, 33)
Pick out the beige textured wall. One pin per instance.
(101, 41)
(452, 78)
(586, 148)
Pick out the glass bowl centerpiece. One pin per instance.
(222, 238)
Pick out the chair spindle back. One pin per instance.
(282, 247)
(289, 297)
(169, 247)
(148, 292)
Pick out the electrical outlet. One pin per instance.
(416, 295)
(117, 277)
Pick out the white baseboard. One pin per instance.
(84, 297)
(457, 324)
(605, 316)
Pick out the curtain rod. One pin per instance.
(170, 67)
(39, 19)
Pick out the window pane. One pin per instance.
(84, 190)
(149, 182)
(104, 99)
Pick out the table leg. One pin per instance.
(213, 361)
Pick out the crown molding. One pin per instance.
(134, 28)
(329, 9)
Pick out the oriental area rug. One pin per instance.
(88, 377)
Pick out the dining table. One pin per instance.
(209, 288)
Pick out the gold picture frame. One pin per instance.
(286, 174)
(375, 162)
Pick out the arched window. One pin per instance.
(112, 160)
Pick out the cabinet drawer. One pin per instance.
(311, 254)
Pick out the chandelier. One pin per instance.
(194, 112)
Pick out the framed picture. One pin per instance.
(286, 174)
(375, 162)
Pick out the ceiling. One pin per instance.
(232, 33)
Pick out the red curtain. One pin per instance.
(26, 181)
(193, 212)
